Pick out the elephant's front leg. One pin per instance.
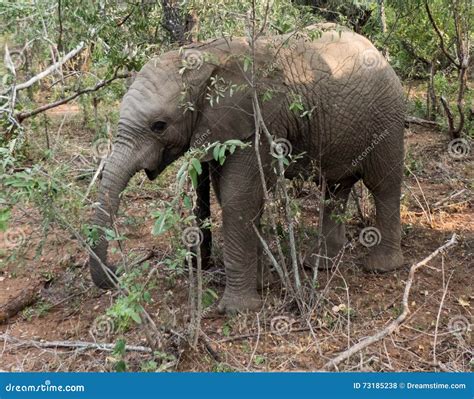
(241, 197)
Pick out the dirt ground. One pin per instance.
(437, 202)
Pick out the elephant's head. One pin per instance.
(164, 113)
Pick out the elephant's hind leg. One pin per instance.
(386, 255)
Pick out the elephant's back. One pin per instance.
(327, 54)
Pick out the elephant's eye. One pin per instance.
(158, 126)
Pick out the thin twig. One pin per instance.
(256, 343)
(438, 316)
(390, 328)
(94, 178)
(450, 197)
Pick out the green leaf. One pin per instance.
(259, 360)
(119, 348)
(181, 171)
(187, 202)
(247, 63)
(135, 316)
(146, 296)
(193, 176)
(4, 218)
(226, 330)
(296, 107)
(209, 297)
(222, 154)
(120, 366)
(110, 235)
(215, 152)
(196, 165)
(161, 225)
(267, 96)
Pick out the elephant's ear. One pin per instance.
(225, 111)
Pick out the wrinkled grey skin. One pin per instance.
(354, 130)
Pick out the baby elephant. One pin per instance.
(324, 93)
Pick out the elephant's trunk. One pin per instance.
(118, 170)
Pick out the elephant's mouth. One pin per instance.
(166, 158)
(155, 164)
(152, 174)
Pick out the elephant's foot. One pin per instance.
(232, 304)
(383, 260)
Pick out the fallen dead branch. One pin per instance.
(419, 121)
(389, 329)
(14, 305)
(71, 344)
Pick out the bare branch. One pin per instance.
(51, 68)
(440, 35)
(23, 115)
(449, 115)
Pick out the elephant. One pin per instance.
(326, 93)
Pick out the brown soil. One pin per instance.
(70, 306)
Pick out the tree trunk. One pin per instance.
(178, 25)
(431, 100)
(383, 25)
